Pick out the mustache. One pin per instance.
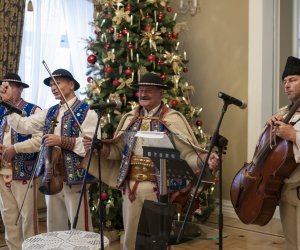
(145, 98)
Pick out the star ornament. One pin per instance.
(152, 37)
(175, 60)
(110, 57)
(120, 15)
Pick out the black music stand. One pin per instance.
(156, 218)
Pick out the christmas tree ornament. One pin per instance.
(111, 30)
(185, 69)
(161, 16)
(116, 83)
(90, 79)
(169, 8)
(128, 7)
(169, 35)
(174, 35)
(174, 103)
(163, 76)
(160, 61)
(107, 46)
(128, 71)
(148, 28)
(151, 58)
(125, 31)
(104, 196)
(120, 35)
(92, 59)
(199, 123)
(108, 69)
(130, 46)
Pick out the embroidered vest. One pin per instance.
(130, 140)
(74, 173)
(23, 164)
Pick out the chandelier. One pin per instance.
(191, 6)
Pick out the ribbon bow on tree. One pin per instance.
(124, 83)
(175, 60)
(120, 15)
(155, 2)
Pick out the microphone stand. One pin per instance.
(96, 144)
(213, 142)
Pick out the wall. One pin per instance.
(217, 48)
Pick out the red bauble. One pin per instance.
(163, 76)
(116, 83)
(199, 123)
(111, 30)
(92, 59)
(161, 16)
(174, 103)
(174, 35)
(108, 16)
(107, 46)
(148, 28)
(128, 7)
(129, 46)
(148, 16)
(97, 32)
(169, 8)
(120, 35)
(125, 31)
(108, 69)
(151, 58)
(104, 196)
(185, 69)
(160, 61)
(90, 79)
(128, 72)
(169, 35)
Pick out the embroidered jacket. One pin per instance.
(73, 172)
(23, 163)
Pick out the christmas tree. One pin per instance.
(131, 38)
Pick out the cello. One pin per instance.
(255, 189)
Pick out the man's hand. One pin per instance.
(6, 92)
(9, 153)
(285, 131)
(213, 161)
(87, 143)
(274, 119)
(52, 140)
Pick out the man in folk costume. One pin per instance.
(17, 162)
(151, 115)
(68, 137)
(289, 205)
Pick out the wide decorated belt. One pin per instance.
(142, 169)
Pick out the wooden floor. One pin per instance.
(237, 236)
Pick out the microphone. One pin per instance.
(105, 105)
(232, 100)
(11, 108)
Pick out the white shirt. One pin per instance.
(36, 122)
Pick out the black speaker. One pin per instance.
(155, 225)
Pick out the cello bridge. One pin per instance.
(248, 175)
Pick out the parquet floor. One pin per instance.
(237, 237)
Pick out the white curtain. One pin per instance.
(42, 39)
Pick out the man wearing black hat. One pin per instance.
(290, 195)
(136, 174)
(67, 136)
(16, 167)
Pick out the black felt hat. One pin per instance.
(64, 74)
(152, 79)
(14, 78)
(292, 67)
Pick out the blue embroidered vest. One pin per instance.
(73, 171)
(23, 164)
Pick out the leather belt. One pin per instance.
(141, 169)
